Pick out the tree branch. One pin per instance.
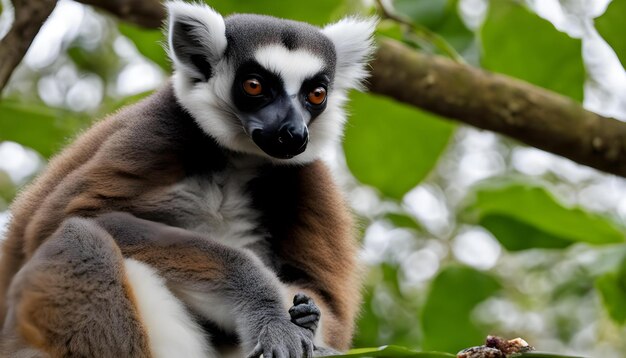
(532, 115)
(145, 13)
(29, 17)
(31, 14)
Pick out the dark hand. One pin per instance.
(283, 339)
(305, 312)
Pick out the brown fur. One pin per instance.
(318, 241)
(26, 205)
(70, 298)
(127, 163)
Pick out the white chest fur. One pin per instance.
(219, 206)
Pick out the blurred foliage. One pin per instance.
(611, 27)
(396, 351)
(441, 17)
(418, 140)
(613, 290)
(523, 216)
(320, 13)
(519, 43)
(446, 317)
(40, 128)
(148, 42)
(552, 253)
(323, 13)
(393, 351)
(403, 220)
(7, 189)
(612, 287)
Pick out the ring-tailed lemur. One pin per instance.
(185, 223)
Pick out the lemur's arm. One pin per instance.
(311, 230)
(226, 276)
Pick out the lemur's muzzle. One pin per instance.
(280, 130)
(286, 142)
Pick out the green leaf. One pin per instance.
(613, 292)
(319, 13)
(148, 43)
(446, 320)
(424, 12)
(441, 17)
(113, 106)
(368, 323)
(612, 27)
(403, 220)
(394, 324)
(43, 129)
(393, 351)
(612, 288)
(519, 43)
(392, 146)
(516, 235)
(7, 190)
(100, 60)
(523, 216)
(544, 355)
(453, 29)
(390, 29)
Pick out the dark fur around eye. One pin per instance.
(271, 87)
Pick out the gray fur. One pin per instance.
(239, 281)
(247, 32)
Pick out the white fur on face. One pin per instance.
(211, 106)
(208, 102)
(293, 67)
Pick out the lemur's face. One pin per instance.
(263, 85)
(284, 72)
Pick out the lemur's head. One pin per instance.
(263, 85)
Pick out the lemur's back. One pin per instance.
(76, 181)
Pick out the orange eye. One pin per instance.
(317, 96)
(252, 87)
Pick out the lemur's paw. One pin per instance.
(305, 312)
(282, 339)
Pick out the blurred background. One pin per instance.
(465, 233)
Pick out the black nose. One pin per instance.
(292, 138)
(289, 141)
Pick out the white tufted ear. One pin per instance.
(196, 38)
(354, 45)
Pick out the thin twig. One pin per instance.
(420, 31)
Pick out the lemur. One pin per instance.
(201, 218)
